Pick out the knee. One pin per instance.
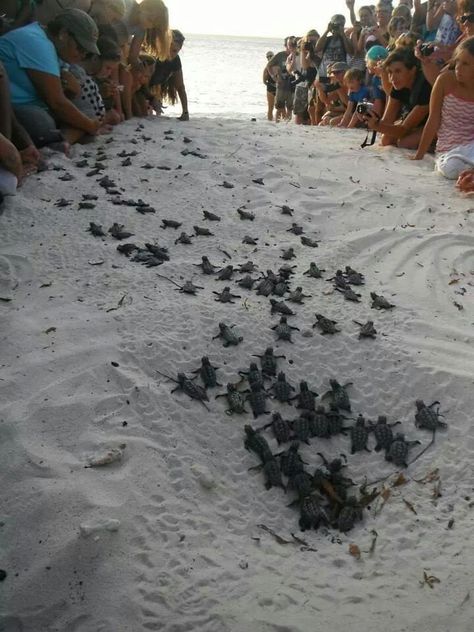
(387, 140)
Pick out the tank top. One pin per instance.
(457, 123)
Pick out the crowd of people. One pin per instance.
(405, 71)
(73, 69)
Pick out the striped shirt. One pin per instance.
(457, 123)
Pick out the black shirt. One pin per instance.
(164, 70)
(419, 94)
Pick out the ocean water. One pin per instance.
(223, 75)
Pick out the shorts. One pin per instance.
(39, 124)
(271, 89)
(451, 164)
(283, 98)
(300, 104)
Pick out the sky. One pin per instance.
(265, 18)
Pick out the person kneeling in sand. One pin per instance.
(408, 103)
(451, 116)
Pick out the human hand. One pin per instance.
(184, 116)
(371, 119)
(350, 4)
(465, 182)
(94, 126)
(70, 83)
(10, 158)
(30, 158)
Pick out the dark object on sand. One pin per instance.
(207, 373)
(245, 214)
(313, 271)
(359, 436)
(96, 230)
(170, 223)
(184, 239)
(212, 217)
(297, 296)
(283, 330)
(288, 254)
(380, 302)
(202, 232)
(398, 450)
(306, 241)
(255, 442)
(296, 229)
(117, 231)
(367, 330)
(306, 398)
(268, 362)
(286, 210)
(226, 296)
(234, 399)
(282, 390)
(206, 266)
(192, 390)
(383, 433)
(326, 325)
(251, 241)
(258, 400)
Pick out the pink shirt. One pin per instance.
(457, 123)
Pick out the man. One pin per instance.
(276, 68)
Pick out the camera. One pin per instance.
(364, 107)
(334, 28)
(426, 50)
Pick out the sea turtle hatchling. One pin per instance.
(286, 271)
(127, 249)
(250, 241)
(302, 483)
(235, 400)
(206, 266)
(326, 325)
(246, 282)
(319, 423)
(291, 461)
(189, 288)
(339, 280)
(288, 254)
(272, 473)
(255, 442)
(253, 375)
(281, 428)
(306, 398)
(95, 230)
(202, 232)
(297, 296)
(226, 296)
(212, 217)
(265, 286)
(192, 390)
(281, 286)
(296, 229)
(312, 514)
(314, 272)
(245, 214)
(268, 362)
(248, 266)
(428, 417)
(350, 513)
(380, 302)
(280, 307)
(383, 433)
(335, 420)
(307, 241)
(282, 389)
(170, 223)
(302, 427)
(118, 231)
(283, 330)
(258, 400)
(207, 373)
(225, 274)
(397, 452)
(349, 294)
(286, 210)
(228, 336)
(184, 239)
(354, 277)
(338, 394)
(367, 330)
(359, 436)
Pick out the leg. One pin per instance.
(39, 124)
(5, 107)
(271, 105)
(412, 140)
(454, 162)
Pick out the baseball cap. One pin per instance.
(376, 53)
(82, 27)
(338, 66)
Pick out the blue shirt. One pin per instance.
(376, 91)
(360, 95)
(27, 48)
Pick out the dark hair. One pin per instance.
(177, 36)
(467, 45)
(355, 74)
(146, 59)
(109, 49)
(117, 31)
(465, 6)
(404, 55)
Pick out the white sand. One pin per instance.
(167, 538)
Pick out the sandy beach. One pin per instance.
(168, 537)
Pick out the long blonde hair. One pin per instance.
(158, 38)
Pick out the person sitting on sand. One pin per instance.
(269, 82)
(451, 116)
(31, 56)
(142, 72)
(167, 81)
(356, 92)
(408, 103)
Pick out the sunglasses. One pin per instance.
(469, 17)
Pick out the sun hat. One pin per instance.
(82, 27)
(376, 53)
(338, 66)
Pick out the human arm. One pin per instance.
(50, 91)
(10, 158)
(350, 5)
(135, 48)
(178, 81)
(434, 14)
(434, 119)
(413, 120)
(346, 119)
(321, 45)
(346, 42)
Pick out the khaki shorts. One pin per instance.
(300, 105)
(283, 98)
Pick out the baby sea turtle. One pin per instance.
(118, 231)
(282, 389)
(338, 395)
(428, 417)
(255, 442)
(313, 271)
(96, 230)
(225, 274)
(326, 325)
(170, 223)
(312, 515)
(302, 428)
(212, 217)
(251, 241)
(306, 398)
(281, 286)
(147, 259)
(339, 280)
(320, 424)
(266, 285)
(228, 336)
(302, 483)
(307, 241)
(248, 266)
(288, 254)
(383, 433)
(268, 362)
(283, 330)
(127, 249)
(253, 375)
(280, 307)
(359, 436)
(226, 296)
(380, 302)
(206, 266)
(158, 251)
(272, 474)
(192, 390)
(246, 282)
(367, 330)
(86, 205)
(350, 513)
(335, 420)
(286, 270)
(286, 210)
(202, 232)
(189, 288)
(258, 400)
(245, 214)
(349, 294)
(235, 400)
(281, 428)
(296, 229)
(354, 277)
(184, 239)
(397, 452)
(207, 372)
(297, 296)
(291, 461)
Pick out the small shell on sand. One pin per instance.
(111, 456)
(203, 476)
(91, 528)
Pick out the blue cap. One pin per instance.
(376, 53)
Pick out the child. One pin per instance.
(451, 116)
(357, 92)
(378, 96)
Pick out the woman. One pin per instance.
(271, 87)
(148, 24)
(168, 77)
(451, 116)
(31, 56)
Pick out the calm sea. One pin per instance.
(223, 75)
